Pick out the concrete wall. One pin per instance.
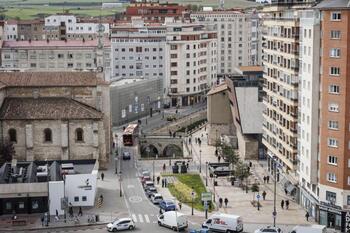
(219, 111)
(248, 147)
(56, 193)
(32, 189)
(216, 130)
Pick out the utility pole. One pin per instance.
(192, 194)
(274, 214)
(200, 161)
(206, 173)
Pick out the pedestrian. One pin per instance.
(287, 204)
(226, 202)
(80, 212)
(216, 152)
(307, 215)
(42, 220)
(101, 198)
(219, 158)
(267, 179)
(264, 179)
(189, 141)
(70, 211)
(162, 183)
(187, 165)
(285, 191)
(282, 204)
(250, 164)
(199, 142)
(158, 179)
(180, 205)
(102, 176)
(264, 195)
(220, 202)
(164, 167)
(170, 133)
(165, 182)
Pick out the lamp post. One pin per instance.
(274, 214)
(192, 194)
(214, 187)
(120, 184)
(200, 161)
(206, 173)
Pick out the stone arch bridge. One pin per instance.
(161, 145)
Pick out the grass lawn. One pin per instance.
(182, 189)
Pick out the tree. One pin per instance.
(242, 172)
(7, 151)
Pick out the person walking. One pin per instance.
(219, 158)
(307, 215)
(158, 179)
(287, 204)
(180, 205)
(80, 213)
(162, 183)
(165, 182)
(264, 179)
(101, 198)
(42, 220)
(267, 179)
(282, 204)
(220, 202)
(226, 202)
(216, 152)
(264, 195)
(285, 191)
(102, 176)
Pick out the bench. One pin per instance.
(19, 222)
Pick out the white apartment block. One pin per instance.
(10, 31)
(56, 56)
(237, 37)
(308, 109)
(191, 55)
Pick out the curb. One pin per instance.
(53, 227)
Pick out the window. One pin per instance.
(13, 135)
(173, 64)
(47, 135)
(79, 135)
(60, 55)
(333, 107)
(335, 34)
(173, 55)
(173, 81)
(335, 52)
(332, 160)
(84, 198)
(331, 177)
(333, 125)
(173, 72)
(332, 142)
(139, 49)
(333, 89)
(335, 71)
(173, 47)
(76, 199)
(331, 197)
(335, 16)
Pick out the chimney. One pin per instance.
(30, 40)
(47, 40)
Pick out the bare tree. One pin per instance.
(7, 151)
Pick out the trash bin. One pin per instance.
(175, 169)
(97, 218)
(183, 169)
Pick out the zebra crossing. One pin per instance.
(144, 218)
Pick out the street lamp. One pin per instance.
(200, 161)
(120, 184)
(274, 214)
(192, 194)
(214, 187)
(206, 173)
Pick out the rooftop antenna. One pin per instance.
(222, 4)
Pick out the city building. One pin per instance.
(46, 55)
(134, 98)
(30, 29)
(334, 137)
(191, 62)
(56, 115)
(281, 71)
(308, 110)
(43, 186)
(238, 37)
(10, 30)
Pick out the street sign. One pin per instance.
(258, 196)
(206, 196)
(274, 214)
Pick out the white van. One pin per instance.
(173, 220)
(224, 223)
(309, 229)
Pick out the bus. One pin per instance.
(130, 134)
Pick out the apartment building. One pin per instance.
(308, 110)
(281, 69)
(238, 37)
(138, 50)
(10, 30)
(334, 142)
(191, 60)
(56, 55)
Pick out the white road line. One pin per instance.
(147, 218)
(141, 218)
(134, 217)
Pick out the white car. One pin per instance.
(121, 224)
(268, 229)
(156, 198)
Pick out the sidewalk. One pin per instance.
(239, 200)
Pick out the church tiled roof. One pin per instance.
(49, 79)
(46, 108)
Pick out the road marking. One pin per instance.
(135, 199)
(147, 218)
(130, 186)
(134, 217)
(141, 218)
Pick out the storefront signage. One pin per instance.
(87, 186)
(347, 222)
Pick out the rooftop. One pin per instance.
(48, 108)
(217, 89)
(333, 4)
(49, 79)
(53, 43)
(251, 68)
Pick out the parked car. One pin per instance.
(269, 229)
(148, 184)
(224, 223)
(144, 179)
(309, 229)
(167, 205)
(150, 191)
(121, 224)
(202, 230)
(156, 198)
(126, 155)
(145, 173)
(173, 220)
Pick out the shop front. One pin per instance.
(333, 216)
(23, 205)
(309, 203)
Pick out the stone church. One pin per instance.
(56, 115)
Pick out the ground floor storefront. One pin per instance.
(23, 205)
(188, 100)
